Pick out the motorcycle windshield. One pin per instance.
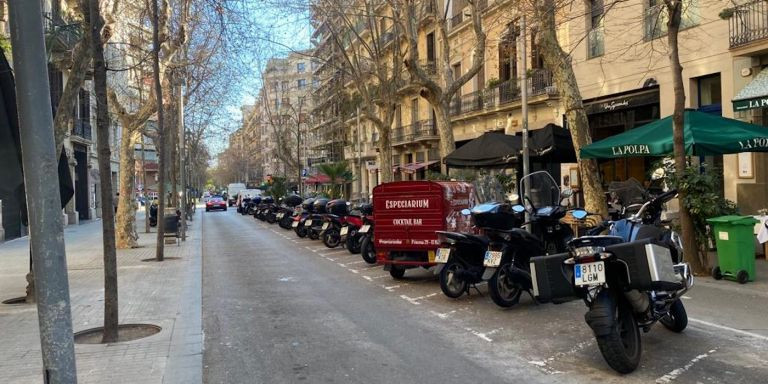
(488, 189)
(539, 189)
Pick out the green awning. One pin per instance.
(754, 94)
(705, 135)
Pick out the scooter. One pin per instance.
(300, 219)
(349, 232)
(367, 248)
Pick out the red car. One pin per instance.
(216, 202)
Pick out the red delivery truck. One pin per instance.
(407, 215)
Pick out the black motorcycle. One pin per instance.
(288, 211)
(510, 250)
(334, 220)
(300, 219)
(314, 222)
(367, 248)
(629, 279)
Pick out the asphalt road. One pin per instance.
(279, 309)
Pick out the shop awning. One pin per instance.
(705, 135)
(551, 144)
(754, 94)
(489, 150)
(414, 167)
(318, 179)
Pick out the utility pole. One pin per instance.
(359, 159)
(182, 149)
(144, 184)
(524, 102)
(43, 201)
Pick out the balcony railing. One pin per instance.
(82, 129)
(429, 66)
(61, 36)
(539, 83)
(748, 22)
(418, 131)
(457, 19)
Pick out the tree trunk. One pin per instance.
(161, 152)
(385, 155)
(107, 213)
(447, 143)
(126, 215)
(698, 262)
(172, 160)
(558, 61)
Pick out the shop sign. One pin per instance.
(615, 104)
(631, 149)
(619, 103)
(743, 105)
(754, 143)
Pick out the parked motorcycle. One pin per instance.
(300, 219)
(461, 255)
(336, 217)
(314, 223)
(287, 211)
(367, 248)
(629, 279)
(350, 235)
(509, 250)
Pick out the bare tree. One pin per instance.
(439, 90)
(559, 63)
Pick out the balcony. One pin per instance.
(456, 20)
(423, 130)
(60, 35)
(747, 23)
(429, 66)
(82, 129)
(539, 83)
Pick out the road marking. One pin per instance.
(356, 262)
(335, 252)
(481, 335)
(725, 328)
(674, 374)
(686, 297)
(353, 270)
(444, 315)
(415, 300)
(287, 278)
(543, 364)
(391, 287)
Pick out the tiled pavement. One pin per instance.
(166, 294)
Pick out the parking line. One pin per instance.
(675, 373)
(725, 328)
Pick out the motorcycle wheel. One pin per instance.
(621, 348)
(397, 272)
(677, 318)
(451, 285)
(331, 238)
(367, 250)
(301, 231)
(503, 292)
(271, 219)
(353, 245)
(313, 234)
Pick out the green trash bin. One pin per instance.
(735, 243)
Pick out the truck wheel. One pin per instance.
(397, 272)
(677, 319)
(504, 292)
(367, 250)
(620, 345)
(450, 283)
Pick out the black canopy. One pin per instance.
(551, 144)
(489, 150)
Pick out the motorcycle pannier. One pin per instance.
(497, 216)
(550, 283)
(338, 207)
(319, 206)
(292, 200)
(650, 265)
(268, 200)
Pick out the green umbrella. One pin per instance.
(705, 135)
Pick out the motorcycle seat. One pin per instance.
(465, 237)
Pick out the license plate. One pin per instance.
(492, 258)
(325, 226)
(308, 223)
(280, 215)
(442, 255)
(589, 273)
(364, 228)
(295, 224)
(344, 231)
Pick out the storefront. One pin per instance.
(617, 113)
(751, 104)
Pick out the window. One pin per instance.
(84, 107)
(301, 83)
(315, 83)
(508, 52)
(300, 67)
(595, 38)
(656, 17)
(537, 59)
(284, 85)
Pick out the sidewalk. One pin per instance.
(166, 294)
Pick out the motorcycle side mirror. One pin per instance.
(466, 212)
(579, 214)
(518, 208)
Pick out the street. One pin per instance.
(279, 309)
